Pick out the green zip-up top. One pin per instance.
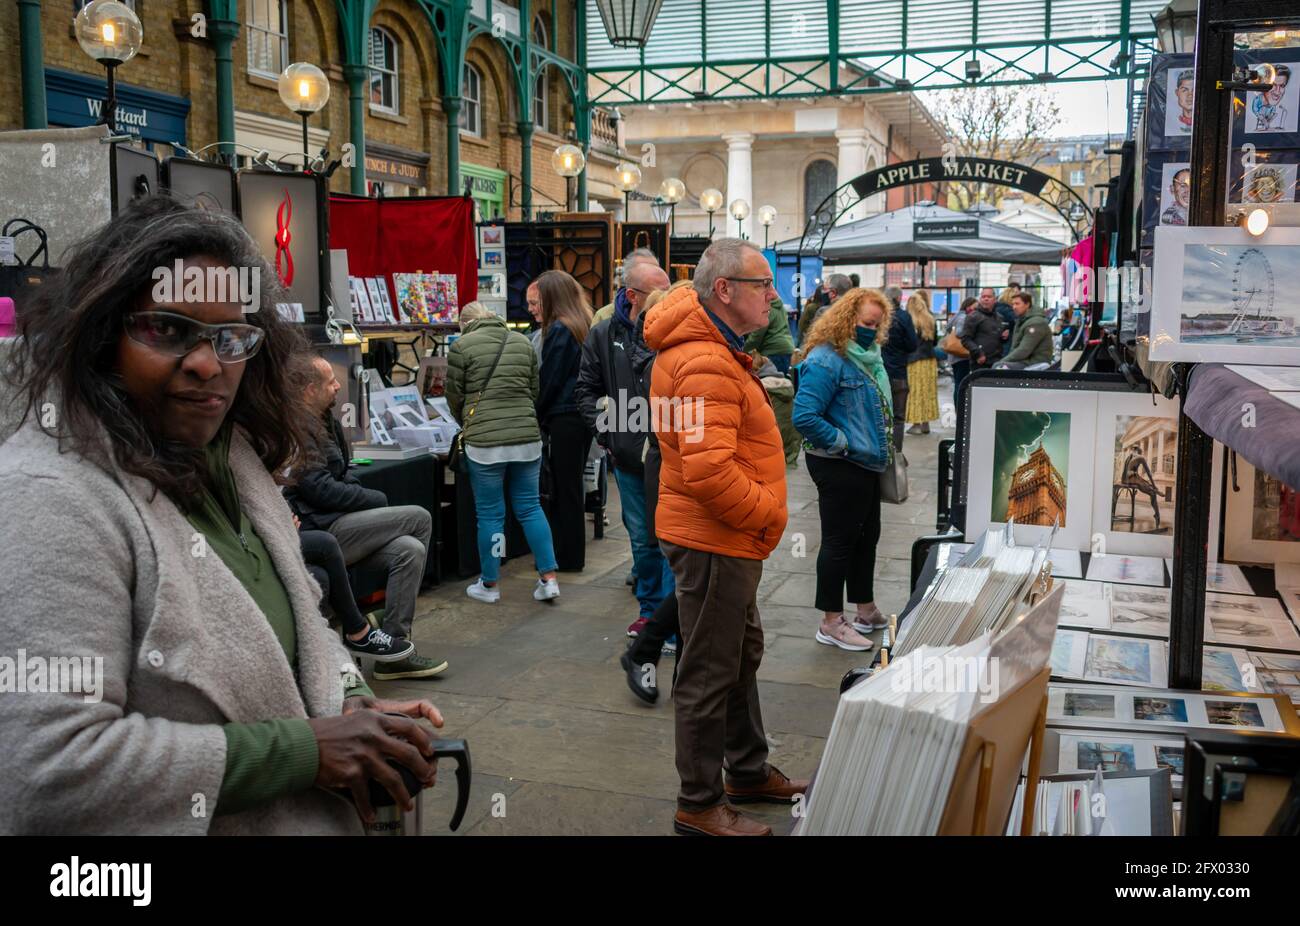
(274, 757)
(506, 414)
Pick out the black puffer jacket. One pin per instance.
(982, 334)
(608, 370)
(326, 489)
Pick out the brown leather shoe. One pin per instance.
(776, 790)
(722, 820)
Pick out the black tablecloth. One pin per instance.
(417, 481)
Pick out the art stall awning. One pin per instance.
(930, 232)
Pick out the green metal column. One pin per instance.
(224, 29)
(355, 75)
(33, 64)
(581, 108)
(526, 168)
(451, 109)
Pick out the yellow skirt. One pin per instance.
(922, 391)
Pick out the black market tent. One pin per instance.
(926, 231)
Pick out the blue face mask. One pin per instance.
(864, 336)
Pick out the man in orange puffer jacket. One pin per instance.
(721, 512)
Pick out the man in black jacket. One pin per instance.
(607, 372)
(327, 496)
(898, 346)
(982, 332)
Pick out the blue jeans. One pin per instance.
(654, 578)
(490, 483)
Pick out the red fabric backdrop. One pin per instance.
(407, 235)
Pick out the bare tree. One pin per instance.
(1006, 123)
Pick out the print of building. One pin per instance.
(1037, 493)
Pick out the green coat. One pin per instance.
(1032, 342)
(775, 339)
(506, 414)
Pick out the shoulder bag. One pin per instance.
(456, 457)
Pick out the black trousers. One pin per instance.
(899, 389)
(324, 558)
(567, 444)
(848, 500)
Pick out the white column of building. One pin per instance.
(740, 183)
(852, 162)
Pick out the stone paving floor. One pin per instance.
(559, 745)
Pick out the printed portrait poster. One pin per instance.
(1275, 110)
(1178, 102)
(1269, 183)
(1175, 193)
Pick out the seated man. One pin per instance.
(324, 559)
(328, 497)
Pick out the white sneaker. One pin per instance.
(546, 589)
(488, 594)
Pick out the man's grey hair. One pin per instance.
(839, 282)
(895, 295)
(724, 258)
(632, 258)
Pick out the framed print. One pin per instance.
(1276, 110)
(361, 309)
(1262, 518)
(377, 292)
(1175, 193)
(1145, 708)
(1180, 91)
(1114, 750)
(1133, 494)
(494, 258)
(1030, 460)
(387, 302)
(1223, 295)
(489, 235)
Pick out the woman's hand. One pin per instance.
(356, 747)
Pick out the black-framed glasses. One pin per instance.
(177, 335)
(765, 282)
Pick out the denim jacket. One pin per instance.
(838, 410)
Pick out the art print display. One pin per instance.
(1266, 184)
(1175, 193)
(1278, 674)
(1227, 670)
(361, 309)
(1179, 97)
(427, 298)
(378, 292)
(1111, 659)
(1137, 709)
(1030, 455)
(1277, 109)
(1262, 518)
(1085, 604)
(1221, 294)
(1134, 474)
(1113, 751)
(387, 303)
(1127, 570)
(494, 258)
(1141, 610)
(1246, 621)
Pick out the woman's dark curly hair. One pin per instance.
(70, 333)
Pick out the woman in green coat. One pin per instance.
(491, 388)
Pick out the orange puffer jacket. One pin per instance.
(722, 483)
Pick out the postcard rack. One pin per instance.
(988, 770)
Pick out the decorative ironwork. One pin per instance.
(580, 249)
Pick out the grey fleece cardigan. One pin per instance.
(94, 563)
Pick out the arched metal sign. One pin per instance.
(1067, 203)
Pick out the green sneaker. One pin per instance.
(413, 666)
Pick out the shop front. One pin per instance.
(487, 186)
(393, 171)
(74, 100)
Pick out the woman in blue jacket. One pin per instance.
(843, 410)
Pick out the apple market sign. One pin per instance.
(939, 170)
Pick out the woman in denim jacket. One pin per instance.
(843, 411)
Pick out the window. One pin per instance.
(1076, 178)
(539, 91)
(383, 71)
(268, 37)
(471, 107)
(818, 183)
(78, 4)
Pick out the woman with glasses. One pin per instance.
(146, 545)
(843, 410)
(566, 319)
